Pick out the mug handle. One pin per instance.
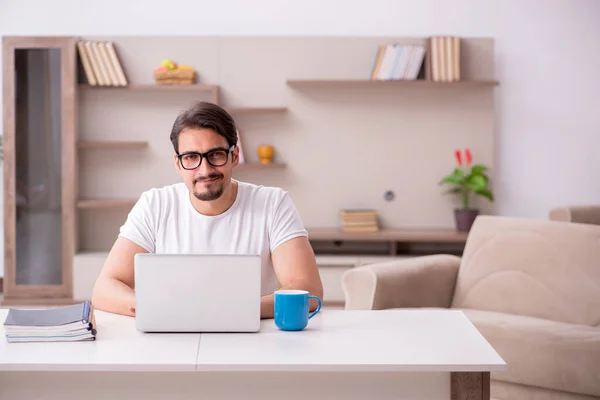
(318, 306)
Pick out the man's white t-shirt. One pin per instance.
(261, 218)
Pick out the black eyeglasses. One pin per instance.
(215, 157)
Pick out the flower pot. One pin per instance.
(464, 218)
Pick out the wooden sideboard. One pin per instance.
(338, 251)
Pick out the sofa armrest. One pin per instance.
(426, 281)
(577, 214)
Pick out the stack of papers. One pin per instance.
(59, 324)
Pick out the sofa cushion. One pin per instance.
(538, 268)
(543, 353)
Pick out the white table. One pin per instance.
(396, 354)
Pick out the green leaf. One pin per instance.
(486, 193)
(476, 183)
(450, 180)
(478, 169)
(455, 177)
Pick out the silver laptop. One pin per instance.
(197, 293)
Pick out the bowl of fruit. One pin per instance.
(169, 73)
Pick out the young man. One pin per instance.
(210, 213)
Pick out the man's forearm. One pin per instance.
(114, 296)
(267, 302)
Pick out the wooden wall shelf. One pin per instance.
(256, 110)
(106, 203)
(391, 235)
(93, 144)
(402, 83)
(259, 166)
(158, 88)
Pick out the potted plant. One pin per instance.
(467, 179)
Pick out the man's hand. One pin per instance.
(296, 268)
(113, 291)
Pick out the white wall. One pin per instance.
(548, 63)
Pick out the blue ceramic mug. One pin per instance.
(291, 309)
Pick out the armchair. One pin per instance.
(531, 287)
(578, 214)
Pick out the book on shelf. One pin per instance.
(398, 62)
(445, 58)
(395, 61)
(99, 64)
(359, 220)
(70, 323)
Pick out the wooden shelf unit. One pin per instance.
(338, 252)
(259, 166)
(394, 243)
(391, 235)
(188, 88)
(151, 87)
(36, 151)
(256, 110)
(420, 83)
(248, 80)
(111, 144)
(105, 203)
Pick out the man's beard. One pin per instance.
(210, 194)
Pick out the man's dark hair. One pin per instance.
(203, 114)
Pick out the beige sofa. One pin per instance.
(531, 287)
(580, 214)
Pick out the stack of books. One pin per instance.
(100, 63)
(398, 62)
(445, 58)
(359, 220)
(60, 324)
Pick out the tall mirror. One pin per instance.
(39, 97)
